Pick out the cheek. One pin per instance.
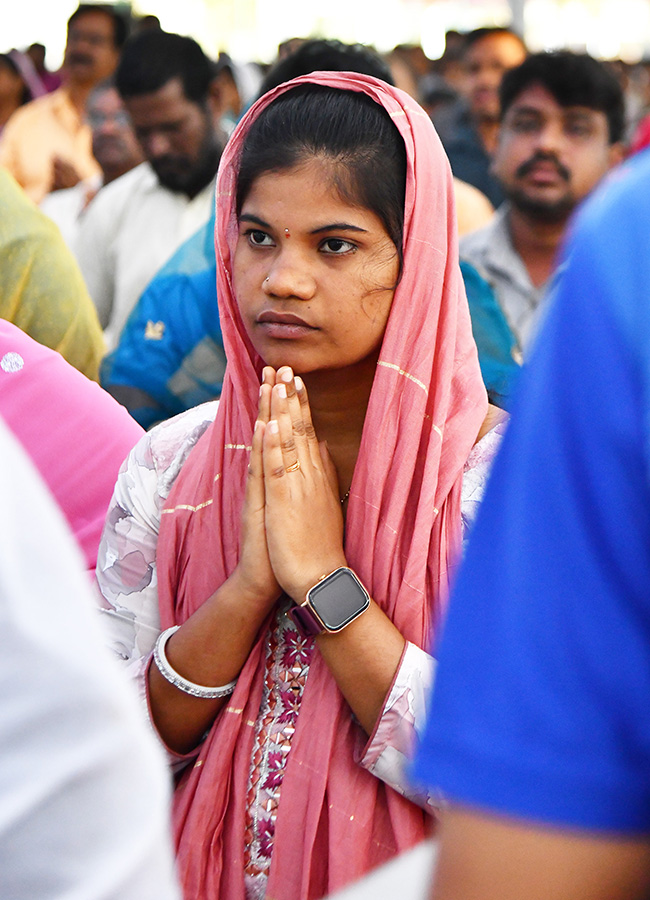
(374, 310)
(237, 275)
(191, 139)
(508, 156)
(242, 281)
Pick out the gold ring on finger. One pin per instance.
(293, 467)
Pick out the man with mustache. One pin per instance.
(562, 120)
(115, 149)
(135, 224)
(468, 127)
(46, 144)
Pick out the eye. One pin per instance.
(578, 128)
(524, 124)
(258, 238)
(337, 246)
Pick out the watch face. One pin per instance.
(339, 599)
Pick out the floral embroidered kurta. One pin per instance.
(127, 579)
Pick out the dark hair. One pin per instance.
(153, 58)
(120, 27)
(574, 79)
(346, 127)
(8, 62)
(478, 34)
(326, 56)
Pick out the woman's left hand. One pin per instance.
(304, 520)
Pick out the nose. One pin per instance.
(290, 275)
(550, 136)
(109, 126)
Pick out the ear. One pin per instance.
(616, 154)
(215, 100)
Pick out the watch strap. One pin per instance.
(306, 620)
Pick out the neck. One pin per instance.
(339, 400)
(488, 131)
(537, 243)
(78, 94)
(110, 173)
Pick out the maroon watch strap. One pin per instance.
(306, 621)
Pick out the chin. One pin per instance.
(546, 210)
(277, 359)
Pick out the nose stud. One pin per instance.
(287, 233)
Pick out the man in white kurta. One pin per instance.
(135, 224)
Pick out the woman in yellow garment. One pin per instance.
(41, 288)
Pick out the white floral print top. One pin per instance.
(127, 581)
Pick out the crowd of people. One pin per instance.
(311, 359)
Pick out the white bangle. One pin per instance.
(172, 676)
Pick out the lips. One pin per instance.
(283, 325)
(544, 168)
(281, 318)
(79, 59)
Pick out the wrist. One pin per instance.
(247, 593)
(331, 604)
(310, 579)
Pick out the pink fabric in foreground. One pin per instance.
(335, 820)
(76, 434)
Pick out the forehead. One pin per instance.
(93, 22)
(536, 99)
(306, 191)
(167, 104)
(103, 99)
(503, 50)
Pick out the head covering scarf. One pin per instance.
(335, 820)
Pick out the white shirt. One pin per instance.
(84, 795)
(127, 233)
(65, 207)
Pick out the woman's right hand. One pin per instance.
(254, 573)
(211, 647)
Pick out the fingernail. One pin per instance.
(298, 383)
(287, 376)
(258, 425)
(273, 426)
(282, 391)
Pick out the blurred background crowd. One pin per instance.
(115, 128)
(113, 121)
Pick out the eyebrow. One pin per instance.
(339, 226)
(525, 110)
(577, 110)
(333, 226)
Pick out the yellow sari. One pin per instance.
(41, 288)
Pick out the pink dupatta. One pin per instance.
(335, 820)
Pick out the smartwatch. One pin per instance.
(330, 605)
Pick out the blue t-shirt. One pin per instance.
(170, 356)
(541, 708)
